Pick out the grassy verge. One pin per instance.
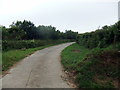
(95, 68)
(73, 55)
(12, 56)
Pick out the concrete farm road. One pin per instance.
(39, 70)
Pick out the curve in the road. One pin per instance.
(40, 70)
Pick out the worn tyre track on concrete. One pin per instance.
(40, 70)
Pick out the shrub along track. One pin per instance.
(92, 68)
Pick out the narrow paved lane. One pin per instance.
(40, 70)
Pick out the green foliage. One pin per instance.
(25, 44)
(100, 38)
(70, 34)
(93, 68)
(103, 59)
(27, 26)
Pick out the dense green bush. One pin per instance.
(101, 38)
(25, 44)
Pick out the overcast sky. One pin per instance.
(77, 15)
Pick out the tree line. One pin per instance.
(100, 38)
(26, 30)
(24, 34)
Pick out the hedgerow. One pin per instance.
(25, 44)
(101, 38)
